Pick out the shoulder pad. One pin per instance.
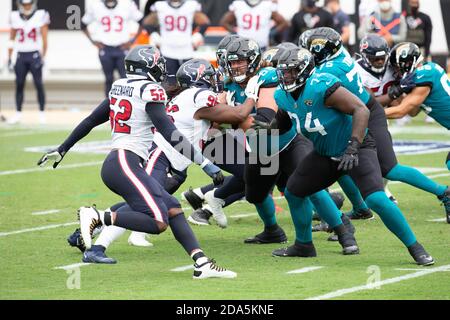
(153, 92)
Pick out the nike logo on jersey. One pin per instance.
(420, 77)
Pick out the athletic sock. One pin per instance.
(207, 188)
(352, 192)
(183, 233)
(326, 208)
(135, 221)
(198, 256)
(230, 187)
(391, 216)
(301, 214)
(266, 211)
(108, 235)
(414, 177)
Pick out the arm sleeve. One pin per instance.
(167, 129)
(98, 116)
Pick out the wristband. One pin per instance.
(205, 163)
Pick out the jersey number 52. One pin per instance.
(119, 114)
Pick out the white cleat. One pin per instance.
(216, 205)
(137, 239)
(209, 269)
(15, 119)
(89, 220)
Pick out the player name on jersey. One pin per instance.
(122, 90)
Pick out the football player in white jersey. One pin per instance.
(253, 19)
(111, 20)
(174, 19)
(136, 104)
(28, 37)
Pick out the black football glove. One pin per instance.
(350, 158)
(214, 172)
(406, 85)
(53, 155)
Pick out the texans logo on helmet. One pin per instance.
(364, 45)
(194, 73)
(151, 58)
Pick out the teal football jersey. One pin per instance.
(437, 104)
(328, 129)
(343, 67)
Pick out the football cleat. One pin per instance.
(333, 237)
(200, 217)
(360, 214)
(138, 239)
(276, 236)
(348, 224)
(216, 205)
(296, 250)
(348, 243)
(89, 219)
(97, 256)
(322, 226)
(445, 199)
(76, 240)
(194, 199)
(420, 255)
(210, 269)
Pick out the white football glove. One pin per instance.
(230, 98)
(197, 40)
(53, 155)
(155, 39)
(252, 88)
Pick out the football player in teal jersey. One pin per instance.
(431, 93)
(336, 121)
(331, 57)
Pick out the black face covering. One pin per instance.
(414, 10)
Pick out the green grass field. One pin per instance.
(29, 257)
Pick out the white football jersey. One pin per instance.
(28, 36)
(176, 28)
(131, 126)
(112, 26)
(379, 86)
(182, 109)
(254, 22)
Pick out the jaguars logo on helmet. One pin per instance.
(295, 66)
(324, 43)
(405, 57)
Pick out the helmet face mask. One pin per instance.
(221, 51)
(242, 59)
(404, 58)
(238, 69)
(323, 43)
(374, 51)
(294, 68)
(198, 72)
(27, 7)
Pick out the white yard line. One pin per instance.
(342, 292)
(437, 220)
(42, 213)
(73, 266)
(183, 268)
(244, 215)
(38, 169)
(304, 270)
(416, 269)
(51, 226)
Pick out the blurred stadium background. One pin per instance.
(72, 65)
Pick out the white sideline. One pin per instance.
(412, 269)
(244, 215)
(51, 226)
(437, 220)
(342, 292)
(183, 268)
(73, 266)
(42, 213)
(39, 169)
(304, 270)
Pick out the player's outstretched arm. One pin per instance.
(163, 124)
(410, 104)
(344, 101)
(98, 116)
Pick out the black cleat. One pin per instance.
(200, 217)
(445, 199)
(338, 199)
(322, 226)
(360, 214)
(276, 236)
(348, 224)
(348, 243)
(296, 250)
(76, 240)
(419, 254)
(97, 256)
(194, 200)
